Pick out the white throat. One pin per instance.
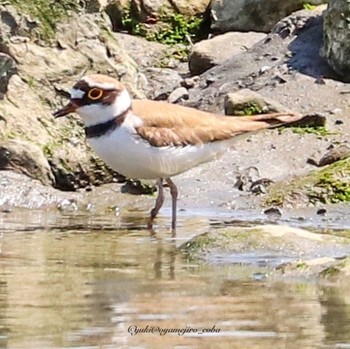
(98, 113)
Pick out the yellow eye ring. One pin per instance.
(95, 93)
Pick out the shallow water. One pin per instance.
(81, 281)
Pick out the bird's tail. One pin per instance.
(285, 119)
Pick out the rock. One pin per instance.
(190, 82)
(7, 69)
(322, 186)
(321, 211)
(27, 158)
(126, 14)
(335, 154)
(178, 94)
(291, 59)
(247, 102)
(161, 82)
(208, 53)
(145, 53)
(252, 15)
(293, 24)
(335, 111)
(332, 269)
(83, 44)
(260, 186)
(19, 190)
(68, 206)
(273, 212)
(266, 245)
(92, 6)
(245, 177)
(336, 47)
(71, 34)
(185, 7)
(14, 24)
(249, 180)
(190, 7)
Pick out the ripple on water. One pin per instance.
(82, 281)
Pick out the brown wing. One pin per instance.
(167, 124)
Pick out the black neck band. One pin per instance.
(105, 127)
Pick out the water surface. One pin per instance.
(82, 281)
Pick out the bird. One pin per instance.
(146, 139)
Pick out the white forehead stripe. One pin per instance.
(102, 85)
(76, 93)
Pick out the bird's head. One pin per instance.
(97, 98)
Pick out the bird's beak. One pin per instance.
(71, 107)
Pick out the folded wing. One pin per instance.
(167, 124)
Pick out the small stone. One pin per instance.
(273, 211)
(90, 207)
(259, 276)
(6, 209)
(74, 141)
(321, 211)
(210, 80)
(67, 205)
(190, 82)
(238, 103)
(335, 111)
(264, 69)
(19, 39)
(161, 97)
(334, 154)
(177, 94)
(320, 80)
(260, 186)
(280, 79)
(89, 188)
(172, 63)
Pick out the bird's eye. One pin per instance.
(95, 93)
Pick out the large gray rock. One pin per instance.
(336, 47)
(151, 11)
(27, 158)
(293, 46)
(13, 24)
(161, 82)
(158, 7)
(44, 71)
(208, 53)
(252, 15)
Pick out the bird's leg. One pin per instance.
(173, 192)
(159, 203)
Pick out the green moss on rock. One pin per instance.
(329, 185)
(173, 29)
(249, 109)
(46, 13)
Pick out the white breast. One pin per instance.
(134, 157)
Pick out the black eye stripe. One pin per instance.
(82, 85)
(107, 97)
